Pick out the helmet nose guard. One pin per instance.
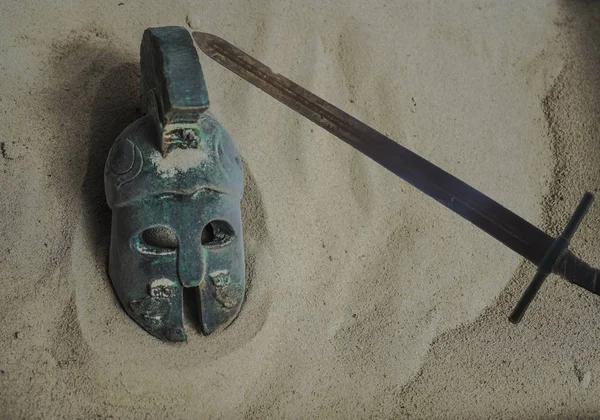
(175, 168)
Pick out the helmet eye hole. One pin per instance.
(160, 237)
(161, 240)
(158, 240)
(217, 233)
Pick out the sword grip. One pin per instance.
(578, 272)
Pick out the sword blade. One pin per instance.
(507, 227)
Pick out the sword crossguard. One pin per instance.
(567, 262)
(550, 254)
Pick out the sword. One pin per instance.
(550, 255)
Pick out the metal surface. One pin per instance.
(545, 268)
(174, 181)
(493, 218)
(510, 229)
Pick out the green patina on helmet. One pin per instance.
(174, 182)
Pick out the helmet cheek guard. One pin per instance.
(174, 182)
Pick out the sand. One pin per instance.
(367, 299)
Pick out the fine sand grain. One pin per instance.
(366, 298)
